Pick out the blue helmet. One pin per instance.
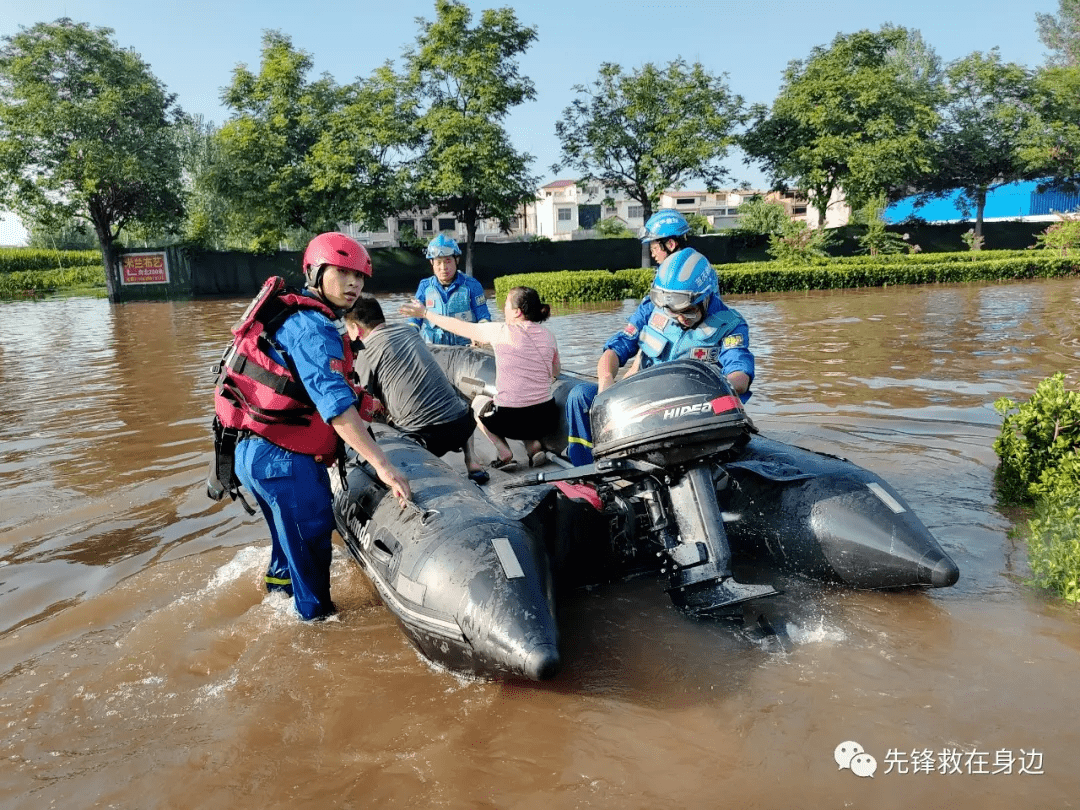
(685, 279)
(442, 245)
(665, 223)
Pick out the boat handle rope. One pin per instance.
(425, 514)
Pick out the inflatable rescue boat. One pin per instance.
(683, 487)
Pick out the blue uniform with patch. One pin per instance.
(293, 489)
(722, 338)
(464, 299)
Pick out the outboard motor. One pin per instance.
(670, 414)
(677, 419)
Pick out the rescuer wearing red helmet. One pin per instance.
(283, 387)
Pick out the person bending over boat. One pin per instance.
(526, 363)
(395, 366)
(284, 386)
(683, 318)
(448, 292)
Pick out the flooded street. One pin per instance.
(143, 666)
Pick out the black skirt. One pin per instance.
(530, 422)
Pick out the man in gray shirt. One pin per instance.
(394, 365)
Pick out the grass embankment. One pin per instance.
(1039, 448)
(30, 271)
(586, 286)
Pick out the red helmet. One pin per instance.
(336, 249)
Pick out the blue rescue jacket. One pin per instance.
(733, 346)
(464, 299)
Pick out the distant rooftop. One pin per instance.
(1011, 201)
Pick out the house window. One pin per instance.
(564, 214)
(685, 200)
(513, 223)
(635, 211)
(610, 211)
(732, 211)
(427, 225)
(447, 224)
(798, 210)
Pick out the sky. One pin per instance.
(192, 46)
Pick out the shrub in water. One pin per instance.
(1054, 544)
(1039, 447)
(1036, 438)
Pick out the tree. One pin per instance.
(977, 144)
(798, 243)
(758, 216)
(467, 80)
(1062, 236)
(1049, 142)
(699, 224)
(613, 228)
(650, 130)
(304, 156)
(72, 235)
(86, 132)
(1061, 33)
(205, 222)
(877, 238)
(856, 116)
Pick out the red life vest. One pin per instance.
(257, 394)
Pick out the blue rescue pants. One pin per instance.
(579, 442)
(294, 493)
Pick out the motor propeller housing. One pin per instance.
(671, 414)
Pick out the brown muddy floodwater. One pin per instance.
(143, 666)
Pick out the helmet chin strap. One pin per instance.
(317, 284)
(318, 290)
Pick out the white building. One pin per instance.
(563, 210)
(837, 213)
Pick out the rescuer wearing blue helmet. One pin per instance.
(683, 317)
(449, 292)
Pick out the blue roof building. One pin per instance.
(1020, 200)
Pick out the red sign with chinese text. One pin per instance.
(144, 268)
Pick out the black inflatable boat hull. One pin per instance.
(786, 507)
(471, 573)
(470, 586)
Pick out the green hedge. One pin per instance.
(925, 258)
(15, 259)
(22, 282)
(1039, 448)
(580, 286)
(768, 277)
(584, 286)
